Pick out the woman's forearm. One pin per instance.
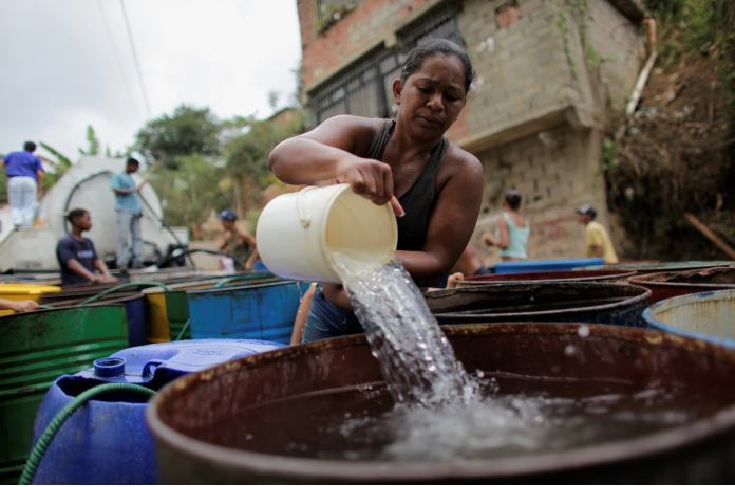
(424, 267)
(300, 160)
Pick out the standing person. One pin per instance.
(25, 177)
(514, 230)
(129, 213)
(596, 241)
(239, 247)
(78, 259)
(435, 187)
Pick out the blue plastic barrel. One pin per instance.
(708, 316)
(107, 440)
(263, 311)
(544, 265)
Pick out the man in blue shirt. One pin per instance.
(25, 175)
(129, 213)
(78, 259)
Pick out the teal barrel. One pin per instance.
(544, 265)
(264, 311)
(709, 316)
(169, 309)
(35, 349)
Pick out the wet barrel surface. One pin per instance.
(665, 285)
(208, 431)
(611, 304)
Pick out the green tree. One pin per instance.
(187, 131)
(247, 155)
(191, 191)
(93, 143)
(61, 165)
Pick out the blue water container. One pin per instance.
(107, 441)
(263, 311)
(544, 265)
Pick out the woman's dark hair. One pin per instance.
(420, 53)
(76, 213)
(29, 146)
(514, 199)
(132, 161)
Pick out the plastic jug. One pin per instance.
(107, 440)
(298, 232)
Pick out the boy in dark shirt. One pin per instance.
(77, 256)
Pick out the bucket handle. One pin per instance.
(303, 219)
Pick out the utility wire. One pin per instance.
(116, 54)
(135, 59)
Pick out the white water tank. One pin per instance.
(86, 185)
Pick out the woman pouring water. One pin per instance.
(434, 186)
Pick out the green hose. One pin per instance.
(39, 449)
(244, 277)
(183, 330)
(122, 286)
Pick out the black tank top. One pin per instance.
(418, 201)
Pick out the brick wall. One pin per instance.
(371, 22)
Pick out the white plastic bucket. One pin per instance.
(298, 232)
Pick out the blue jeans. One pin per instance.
(327, 320)
(128, 227)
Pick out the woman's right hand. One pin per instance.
(369, 178)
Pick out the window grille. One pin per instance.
(331, 11)
(365, 87)
(439, 23)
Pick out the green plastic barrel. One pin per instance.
(35, 349)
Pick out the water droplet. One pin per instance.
(480, 374)
(569, 350)
(248, 437)
(584, 331)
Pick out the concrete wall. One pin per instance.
(546, 86)
(555, 171)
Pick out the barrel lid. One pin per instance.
(162, 362)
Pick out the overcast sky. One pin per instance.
(67, 64)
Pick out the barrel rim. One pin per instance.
(649, 315)
(630, 450)
(648, 279)
(551, 313)
(195, 292)
(605, 275)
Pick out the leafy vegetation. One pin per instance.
(201, 164)
(675, 155)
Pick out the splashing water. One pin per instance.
(415, 357)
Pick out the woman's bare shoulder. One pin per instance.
(359, 131)
(464, 161)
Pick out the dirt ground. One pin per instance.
(672, 159)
